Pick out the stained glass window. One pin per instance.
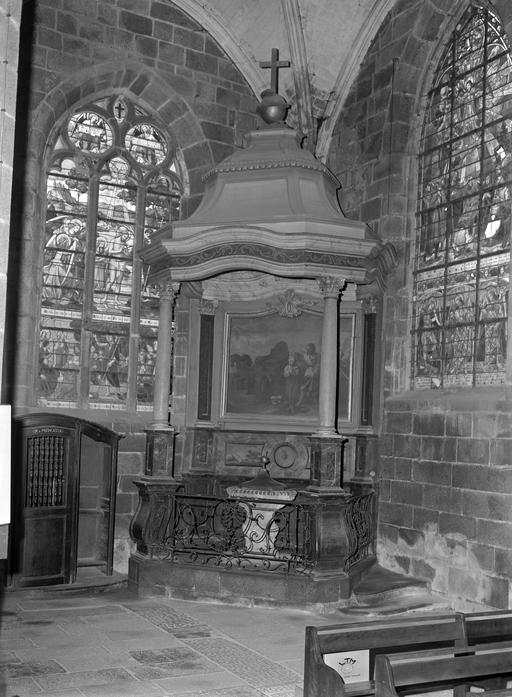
(113, 179)
(461, 276)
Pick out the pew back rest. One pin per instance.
(376, 636)
(488, 626)
(442, 667)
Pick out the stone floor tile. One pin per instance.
(258, 652)
(295, 664)
(125, 620)
(31, 669)
(199, 683)
(19, 687)
(176, 661)
(89, 677)
(15, 644)
(68, 640)
(254, 668)
(9, 657)
(166, 617)
(146, 673)
(58, 603)
(242, 691)
(75, 659)
(279, 691)
(62, 615)
(133, 635)
(34, 632)
(241, 631)
(10, 617)
(158, 641)
(28, 692)
(132, 689)
(279, 648)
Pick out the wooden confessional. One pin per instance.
(64, 488)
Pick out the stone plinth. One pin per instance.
(159, 452)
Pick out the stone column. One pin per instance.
(330, 288)
(160, 435)
(168, 292)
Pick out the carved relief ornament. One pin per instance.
(331, 286)
(167, 290)
(208, 307)
(290, 304)
(370, 305)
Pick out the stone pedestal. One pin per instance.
(326, 465)
(159, 452)
(148, 525)
(331, 534)
(365, 464)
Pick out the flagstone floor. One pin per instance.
(117, 644)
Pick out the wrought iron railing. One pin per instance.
(358, 514)
(249, 534)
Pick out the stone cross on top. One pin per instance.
(274, 64)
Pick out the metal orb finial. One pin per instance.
(272, 108)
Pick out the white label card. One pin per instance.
(353, 666)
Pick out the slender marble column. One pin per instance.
(168, 292)
(330, 288)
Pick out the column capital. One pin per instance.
(167, 290)
(208, 307)
(331, 286)
(370, 305)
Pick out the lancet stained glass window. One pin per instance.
(461, 276)
(113, 178)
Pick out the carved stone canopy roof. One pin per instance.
(270, 207)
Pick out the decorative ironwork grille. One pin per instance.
(113, 178)
(461, 276)
(46, 471)
(252, 535)
(360, 520)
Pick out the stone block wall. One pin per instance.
(9, 45)
(155, 54)
(445, 469)
(445, 510)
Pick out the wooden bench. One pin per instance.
(443, 668)
(484, 627)
(375, 636)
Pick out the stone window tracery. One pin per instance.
(113, 179)
(461, 276)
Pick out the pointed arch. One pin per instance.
(113, 178)
(461, 265)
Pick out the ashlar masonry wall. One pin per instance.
(444, 474)
(157, 56)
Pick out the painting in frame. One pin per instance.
(273, 363)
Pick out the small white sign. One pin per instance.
(353, 666)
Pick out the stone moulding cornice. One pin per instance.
(296, 256)
(316, 166)
(351, 240)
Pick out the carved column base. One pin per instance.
(326, 465)
(159, 452)
(150, 522)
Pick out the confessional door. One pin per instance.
(64, 488)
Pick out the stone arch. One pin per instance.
(378, 136)
(151, 91)
(146, 87)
